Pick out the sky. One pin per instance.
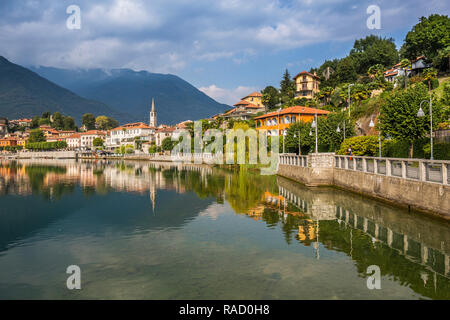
(226, 48)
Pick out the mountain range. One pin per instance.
(23, 93)
(120, 93)
(131, 92)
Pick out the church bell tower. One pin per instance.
(152, 122)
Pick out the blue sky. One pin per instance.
(224, 47)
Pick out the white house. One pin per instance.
(74, 141)
(87, 138)
(129, 132)
(162, 133)
(418, 65)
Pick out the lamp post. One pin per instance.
(421, 114)
(349, 101)
(372, 125)
(314, 125)
(278, 130)
(299, 142)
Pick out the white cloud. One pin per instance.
(166, 36)
(228, 96)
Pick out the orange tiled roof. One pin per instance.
(136, 125)
(91, 132)
(296, 110)
(166, 129)
(74, 136)
(308, 74)
(253, 94)
(246, 104)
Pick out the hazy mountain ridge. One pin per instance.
(131, 92)
(23, 93)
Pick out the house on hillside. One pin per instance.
(128, 133)
(276, 123)
(3, 126)
(419, 65)
(307, 84)
(247, 108)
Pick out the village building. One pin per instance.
(276, 123)
(74, 141)
(88, 137)
(245, 109)
(163, 133)
(307, 84)
(8, 142)
(418, 65)
(3, 126)
(131, 133)
(21, 122)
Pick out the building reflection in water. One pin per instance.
(408, 247)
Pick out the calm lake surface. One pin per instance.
(141, 230)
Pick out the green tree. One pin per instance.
(88, 120)
(373, 50)
(428, 75)
(69, 123)
(57, 122)
(98, 142)
(106, 123)
(36, 135)
(167, 144)
(398, 117)
(427, 38)
(35, 122)
(287, 87)
(346, 71)
(270, 97)
(405, 64)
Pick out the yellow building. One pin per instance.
(254, 98)
(8, 142)
(22, 142)
(275, 123)
(307, 85)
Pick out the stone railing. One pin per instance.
(435, 171)
(294, 160)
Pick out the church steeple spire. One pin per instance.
(152, 122)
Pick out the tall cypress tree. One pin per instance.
(287, 87)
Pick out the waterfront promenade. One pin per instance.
(414, 183)
(417, 184)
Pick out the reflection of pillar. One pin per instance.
(447, 264)
(317, 241)
(377, 228)
(405, 243)
(390, 237)
(347, 214)
(356, 222)
(365, 225)
(424, 254)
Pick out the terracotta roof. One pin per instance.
(74, 136)
(246, 104)
(92, 132)
(418, 58)
(390, 74)
(253, 94)
(166, 129)
(231, 111)
(296, 110)
(307, 74)
(137, 125)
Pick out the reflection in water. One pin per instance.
(156, 219)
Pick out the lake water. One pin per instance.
(141, 230)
